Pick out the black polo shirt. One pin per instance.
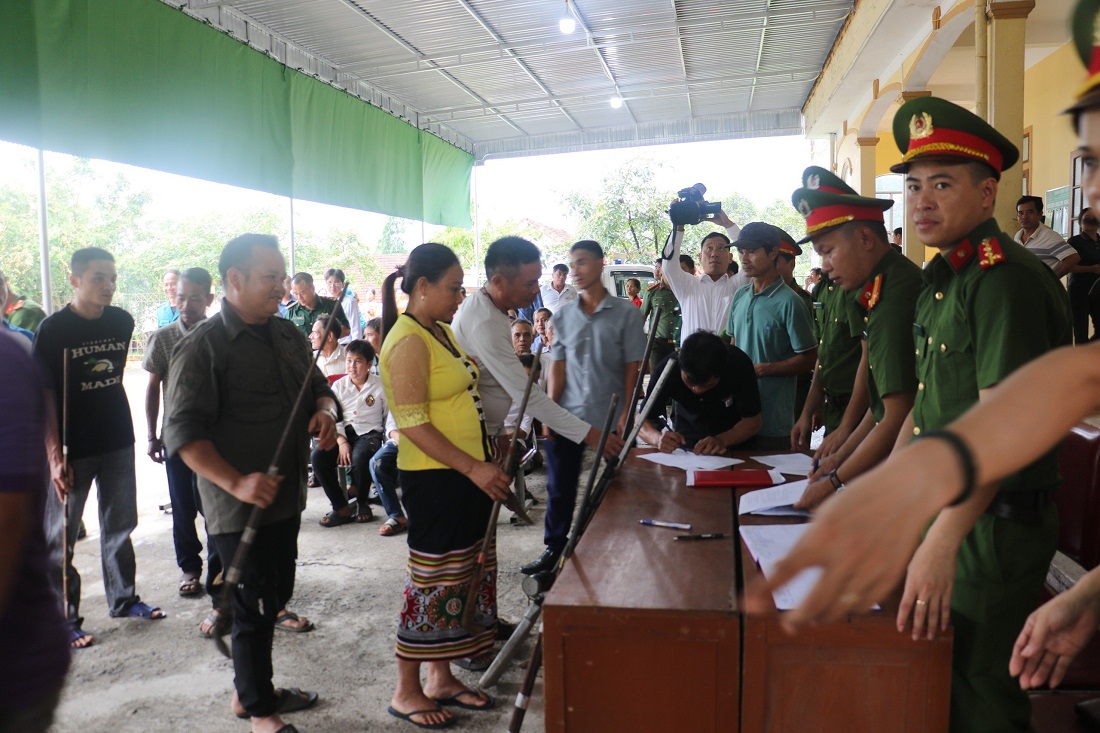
(736, 396)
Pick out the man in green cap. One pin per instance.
(660, 295)
(881, 289)
(988, 307)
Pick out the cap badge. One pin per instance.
(813, 181)
(370, 400)
(804, 207)
(921, 126)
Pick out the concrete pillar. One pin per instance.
(1006, 101)
(866, 147)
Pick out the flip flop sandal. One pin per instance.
(453, 700)
(141, 609)
(363, 514)
(391, 527)
(219, 621)
(291, 616)
(408, 718)
(76, 634)
(190, 585)
(289, 700)
(335, 519)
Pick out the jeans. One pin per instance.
(266, 574)
(383, 469)
(363, 448)
(563, 469)
(116, 484)
(181, 490)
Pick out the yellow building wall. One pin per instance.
(1048, 89)
(886, 154)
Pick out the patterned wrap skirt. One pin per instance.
(447, 519)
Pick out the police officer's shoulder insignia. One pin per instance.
(872, 293)
(990, 253)
(653, 285)
(961, 254)
(920, 126)
(370, 400)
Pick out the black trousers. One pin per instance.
(363, 448)
(265, 578)
(1085, 307)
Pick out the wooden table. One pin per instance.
(643, 633)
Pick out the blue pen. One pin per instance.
(815, 464)
(667, 525)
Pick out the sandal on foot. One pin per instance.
(289, 700)
(219, 623)
(141, 609)
(392, 527)
(408, 718)
(282, 618)
(453, 700)
(363, 514)
(190, 585)
(76, 634)
(335, 519)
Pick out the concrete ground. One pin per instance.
(162, 676)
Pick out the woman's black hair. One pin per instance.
(429, 260)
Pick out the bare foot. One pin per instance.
(80, 639)
(435, 716)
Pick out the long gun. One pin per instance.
(510, 463)
(636, 393)
(248, 537)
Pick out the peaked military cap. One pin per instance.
(787, 245)
(1082, 27)
(827, 202)
(930, 128)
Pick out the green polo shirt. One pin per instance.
(668, 326)
(987, 308)
(772, 325)
(838, 348)
(882, 312)
(304, 318)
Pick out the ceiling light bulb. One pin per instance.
(616, 102)
(567, 25)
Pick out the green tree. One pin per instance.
(392, 241)
(740, 208)
(786, 217)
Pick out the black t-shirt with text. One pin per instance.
(736, 396)
(99, 413)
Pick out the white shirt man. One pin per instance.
(705, 300)
(558, 292)
(364, 408)
(1041, 240)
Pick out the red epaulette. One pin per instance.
(653, 285)
(990, 253)
(872, 293)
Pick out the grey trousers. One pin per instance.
(116, 484)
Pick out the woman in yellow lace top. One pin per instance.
(448, 487)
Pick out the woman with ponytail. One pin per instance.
(448, 483)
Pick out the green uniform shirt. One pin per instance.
(25, 313)
(839, 349)
(988, 308)
(882, 312)
(668, 326)
(304, 318)
(772, 325)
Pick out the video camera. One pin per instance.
(692, 208)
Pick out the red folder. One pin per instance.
(751, 477)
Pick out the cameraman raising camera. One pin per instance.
(704, 300)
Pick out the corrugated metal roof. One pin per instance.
(497, 77)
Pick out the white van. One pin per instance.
(615, 277)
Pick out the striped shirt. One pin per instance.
(1047, 245)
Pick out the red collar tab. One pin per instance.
(960, 255)
(990, 253)
(872, 293)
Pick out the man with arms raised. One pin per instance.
(231, 388)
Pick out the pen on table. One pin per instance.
(667, 525)
(711, 536)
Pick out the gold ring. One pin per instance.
(921, 603)
(849, 599)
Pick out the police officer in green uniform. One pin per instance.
(881, 289)
(988, 307)
(667, 336)
(789, 252)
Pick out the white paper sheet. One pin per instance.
(794, 464)
(681, 458)
(768, 544)
(777, 500)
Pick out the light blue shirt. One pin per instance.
(596, 349)
(772, 325)
(166, 314)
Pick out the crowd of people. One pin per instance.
(418, 408)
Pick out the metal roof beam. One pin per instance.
(599, 55)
